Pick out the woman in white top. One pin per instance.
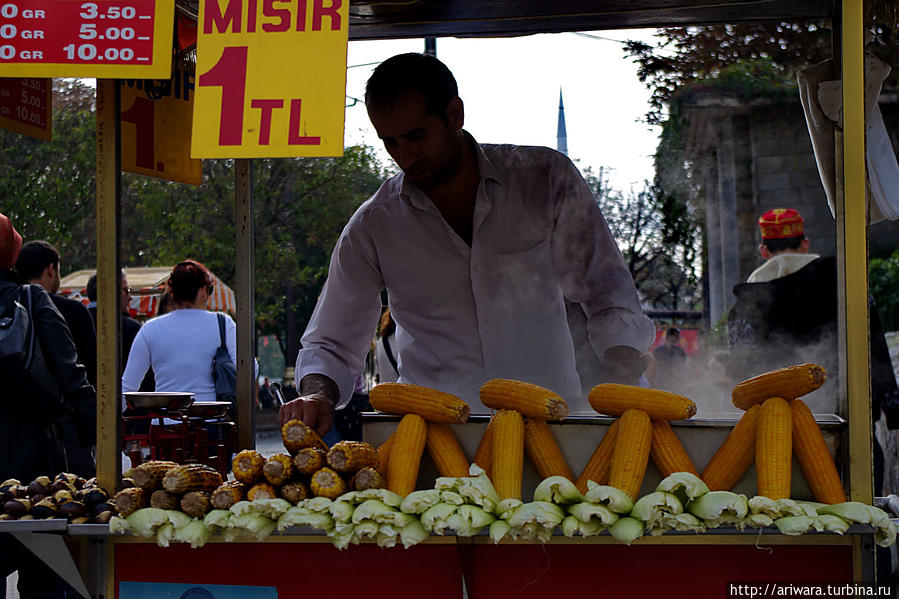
(181, 344)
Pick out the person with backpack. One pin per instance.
(32, 443)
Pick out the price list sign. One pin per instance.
(74, 38)
(25, 106)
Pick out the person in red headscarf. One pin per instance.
(32, 443)
(784, 245)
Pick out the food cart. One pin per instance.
(681, 564)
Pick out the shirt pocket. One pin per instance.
(524, 280)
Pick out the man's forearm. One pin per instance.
(320, 384)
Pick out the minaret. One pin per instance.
(561, 135)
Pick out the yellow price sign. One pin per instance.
(271, 78)
(156, 124)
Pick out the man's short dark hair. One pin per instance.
(673, 332)
(411, 72)
(34, 257)
(92, 288)
(787, 243)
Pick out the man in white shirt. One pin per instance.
(478, 247)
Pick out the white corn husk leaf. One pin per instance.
(164, 534)
(217, 519)
(118, 526)
(367, 529)
(776, 508)
(615, 499)
(498, 530)
(256, 525)
(451, 497)
(532, 531)
(417, 502)
(794, 525)
(685, 485)
(436, 518)
(340, 511)
(348, 497)
(385, 496)
(593, 512)
(270, 508)
(810, 508)
(542, 513)
(717, 508)
(755, 520)
(478, 489)
(317, 504)
(145, 521)
(298, 516)
(177, 518)
(446, 483)
(387, 536)
(195, 532)
(469, 520)
(572, 526)
(649, 508)
(506, 507)
(240, 508)
(341, 540)
(413, 533)
(830, 523)
(683, 522)
(627, 530)
(558, 490)
(373, 509)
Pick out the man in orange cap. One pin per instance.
(784, 245)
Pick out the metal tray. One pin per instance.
(208, 409)
(158, 400)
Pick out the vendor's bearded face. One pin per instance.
(426, 146)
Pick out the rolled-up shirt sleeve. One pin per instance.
(591, 269)
(343, 323)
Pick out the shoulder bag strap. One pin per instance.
(389, 352)
(221, 320)
(29, 301)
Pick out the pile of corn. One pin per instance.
(67, 496)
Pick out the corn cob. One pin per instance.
(445, 451)
(544, 452)
(195, 503)
(485, 448)
(229, 493)
(128, 501)
(327, 483)
(430, 404)
(148, 476)
(813, 456)
(191, 477)
(367, 478)
(613, 399)
(295, 492)
(667, 452)
(405, 455)
(384, 455)
(350, 456)
(296, 435)
(507, 458)
(632, 446)
(788, 383)
(262, 491)
(278, 469)
(247, 466)
(529, 399)
(735, 455)
(164, 500)
(597, 468)
(309, 459)
(774, 449)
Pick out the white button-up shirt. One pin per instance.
(492, 310)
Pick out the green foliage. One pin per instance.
(883, 281)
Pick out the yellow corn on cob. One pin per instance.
(262, 491)
(309, 459)
(543, 450)
(597, 468)
(350, 456)
(191, 477)
(735, 455)
(632, 445)
(507, 458)
(128, 501)
(430, 404)
(813, 456)
(278, 469)
(327, 483)
(247, 466)
(405, 455)
(613, 399)
(529, 399)
(228, 493)
(667, 452)
(196, 503)
(384, 455)
(774, 449)
(148, 476)
(485, 448)
(445, 451)
(164, 500)
(296, 435)
(368, 478)
(295, 492)
(788, 383)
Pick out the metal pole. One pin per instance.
(109, 320)
(244, 287)
(431, 46)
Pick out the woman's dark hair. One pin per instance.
(779, 245)
(411, 72)
(165, 303)
(187, 279)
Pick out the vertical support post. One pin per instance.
(246, 322)
(714, 237)
(727, 202)
(853, 255)
(109, 321)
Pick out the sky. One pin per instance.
(510, 88)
